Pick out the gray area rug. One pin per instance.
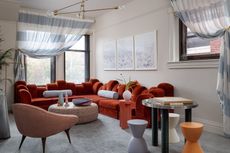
(101, 136)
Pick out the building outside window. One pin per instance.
(77, 61)
(193, 47)
(39, 71)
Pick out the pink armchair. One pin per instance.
(35, 122)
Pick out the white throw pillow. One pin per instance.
(108, 94)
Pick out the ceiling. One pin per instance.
(57, 4)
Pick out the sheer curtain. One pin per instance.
(42, 36)
(210, 19)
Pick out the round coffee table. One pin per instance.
(85, 113)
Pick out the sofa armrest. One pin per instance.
(25, 96)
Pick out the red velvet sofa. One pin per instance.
(32, 94)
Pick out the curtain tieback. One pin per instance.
(227, 28)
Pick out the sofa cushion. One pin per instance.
(121, 89)
(52, 86)
(108, 94)
(55, 93)
(96, 87)
(88, 87)
(111, 84)
(61, 84)
(109, 103)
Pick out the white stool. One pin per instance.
(173, 121)
(137, 143)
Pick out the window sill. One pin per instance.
(194, 64)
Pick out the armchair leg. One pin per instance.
(67, 133)
(22, 140)
(43, 144)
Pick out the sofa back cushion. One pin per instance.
(137, 91)
(120, 90)
(96, 87)
(79, 89)
(56, 93)
(168, 89)
(33, 90)
(111, 84)
(157, 92)
(88, 87)
(52, 86)
(71, 86)
(61, 84)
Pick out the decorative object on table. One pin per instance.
(109, 55)
(4, 119)
(173, 121)
(60, 99)
(174, 101)
(137, 143)
(128, 86)
(66, 99)
(192, 132)
(145, 51)
(82, 102)
(125, 55)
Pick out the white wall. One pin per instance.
(8, 16)
(145, 16)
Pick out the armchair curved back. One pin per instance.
(33, 121)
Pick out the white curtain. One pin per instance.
(42, 36)
(210, 19)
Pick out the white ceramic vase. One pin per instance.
(127, 95)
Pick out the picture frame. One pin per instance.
(109, 55)
(125, 54)
(146, 51)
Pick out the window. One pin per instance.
(77, 61)
(194, 48)
(40, 71)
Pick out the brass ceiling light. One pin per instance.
(82, 11)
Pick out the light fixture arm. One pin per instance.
(94, 10)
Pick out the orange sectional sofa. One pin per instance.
(32, 94)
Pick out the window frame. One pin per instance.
(87, 58)
(183, 47)
(52, 67)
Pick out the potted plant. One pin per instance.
(4, 57)
(128, 87)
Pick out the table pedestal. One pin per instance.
(125, 113)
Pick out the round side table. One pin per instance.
(137, 143)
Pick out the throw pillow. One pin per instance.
(108, 94)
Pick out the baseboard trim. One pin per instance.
(209, 126)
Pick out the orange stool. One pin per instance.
(192, 132)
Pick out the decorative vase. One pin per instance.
(127, 95)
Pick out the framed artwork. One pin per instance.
(125, 55)
(109, 55)
(146, 51)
